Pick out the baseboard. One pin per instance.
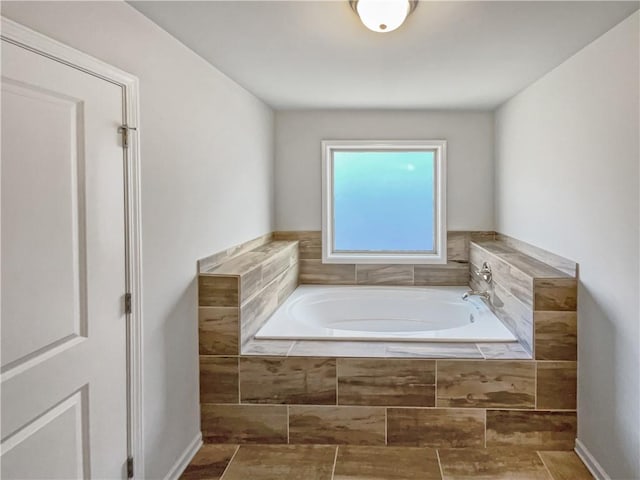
(184, 459)
(590, 461)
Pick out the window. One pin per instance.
(383, 202)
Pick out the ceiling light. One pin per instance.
(383, 15)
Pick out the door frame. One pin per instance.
(33, 41)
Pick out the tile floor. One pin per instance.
(328, 462)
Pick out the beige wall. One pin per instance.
(469, 138)
(567, 181)
(207, 168)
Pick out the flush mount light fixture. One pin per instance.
(383, 15)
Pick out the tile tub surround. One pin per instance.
(240, 287)
(535, 300)
(445, 396)
(389, 401)
(209, 263)
(238, 295)
(454, 272)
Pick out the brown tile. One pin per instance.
(288, 282)
(492, 464)
(218, 379)
(559, 294)
(250, 283)
(288, 380)
(239, 264)
(566, 266)
(212, 261)
(458, 246)
(278, 263)
(310, 242)
(243, 423)
(393, 382)
(315, 348)
(314, 271)
(386, 463)
(442, 275)
(556, 335)
(278, 348)
(435, 427)
(218, 329)
(275, 247)
(217, 291)
(565, 466)
(432, 350)
(493, 247)
(209, 463)
(481, 236)
(557, 385)
(258, 267)
(337, 425)
(513, 280)
(504, 351)
(384, 274)
(531, 429)
(532, 266)
(523, 261)
(486, 383)
(290, 462)
(256, 311)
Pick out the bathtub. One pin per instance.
(432, 314)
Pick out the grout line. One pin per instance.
(406, 407)
(535, 385)
(239, 393)
(485, 428)
(435, 386)
(545, 466)
(337, 390)
(290, 348)
(439, 463)
(335, 460)
(230, 460)
(481, 352)
(288, 420)
(554, 361)
(386, 428)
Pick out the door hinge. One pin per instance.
(124, 131)
(127, 303)
(130, 467)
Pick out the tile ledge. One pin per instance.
(505, 252)
(407, 350)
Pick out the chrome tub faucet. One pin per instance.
(486, 275)
(476, 293)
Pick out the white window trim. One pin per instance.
(440, 214)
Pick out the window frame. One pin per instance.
(439, 255)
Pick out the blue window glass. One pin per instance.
(383, 201)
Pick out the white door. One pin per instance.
(64, 368)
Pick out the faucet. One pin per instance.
(487, 276)
(485, 295)
(485, 273)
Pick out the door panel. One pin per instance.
(60, 436)
(59, 315)
(64, 371)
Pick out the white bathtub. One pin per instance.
(437, 314)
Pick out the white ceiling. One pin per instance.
(448, 55)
